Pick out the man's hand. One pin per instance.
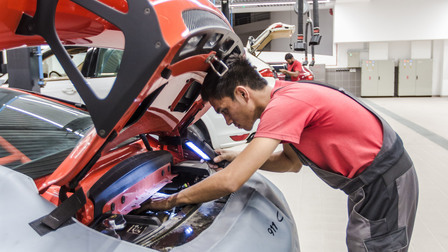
(223, 155)
(158, 202)
(282, 70)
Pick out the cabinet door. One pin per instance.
(423, 78)
(406, 78)
(385, 77)
(369, 78)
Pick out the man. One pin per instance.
(294, 68)
(342, 141)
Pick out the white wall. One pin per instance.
(421, 49)
(399, 50)
(378, 51)
(407, 26)
(390, 20)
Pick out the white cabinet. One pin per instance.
(415, 77)
(377, 78)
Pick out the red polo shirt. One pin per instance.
(328, 127)
(296, 66)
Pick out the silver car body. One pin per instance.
(256, 215)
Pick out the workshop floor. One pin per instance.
(320, 211)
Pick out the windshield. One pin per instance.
(36, 135)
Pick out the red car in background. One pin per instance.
(306, 74)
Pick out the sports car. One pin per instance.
(73, 176)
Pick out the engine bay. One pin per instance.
(161, 230)
(164, 230)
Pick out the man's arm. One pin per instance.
(283, 161)
(225, 181)
(292, 74)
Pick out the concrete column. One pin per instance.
(444, 84)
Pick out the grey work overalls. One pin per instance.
(382, 200)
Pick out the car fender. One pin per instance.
(25, 205)
(260, 200)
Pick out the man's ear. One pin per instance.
(242, 92)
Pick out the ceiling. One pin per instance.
(241, 6)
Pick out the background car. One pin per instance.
(73, 176)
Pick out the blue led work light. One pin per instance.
(196, 150)
(202, 148)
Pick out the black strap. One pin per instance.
(65, 210)
(63, 193)
(402, 165)
(61, 215)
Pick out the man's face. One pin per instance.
(290, 61)
(235, 111)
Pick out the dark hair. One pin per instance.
(240, 73)
(288, 56)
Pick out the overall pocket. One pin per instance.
(373, 219)
(359, 227)
(390, 242)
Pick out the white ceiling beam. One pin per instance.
(351, 1)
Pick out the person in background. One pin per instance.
(294, 68)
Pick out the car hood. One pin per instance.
(168, 48)
(274, 31)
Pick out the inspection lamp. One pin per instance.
(196, 150)
(202, 148)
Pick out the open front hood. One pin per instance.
(168, 48)
(274, 31)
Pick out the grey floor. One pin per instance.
(320, 212)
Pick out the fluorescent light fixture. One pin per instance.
(196, 150)
(279, 3)
(260, 4)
